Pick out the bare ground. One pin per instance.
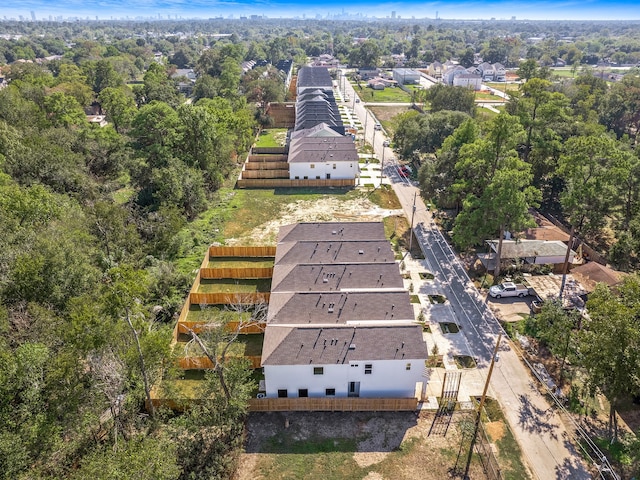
(389, 445)
(325, 209)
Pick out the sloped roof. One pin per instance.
(318, 150)
(313, 77)
(326, 278)
(328, 231)
(592, 273)
(334, 252)
(340, 308)
(317, 131)
(326, 346)
(530, 248)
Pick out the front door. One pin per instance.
(328, 176)
(354, 389)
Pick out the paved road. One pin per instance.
(539, 431)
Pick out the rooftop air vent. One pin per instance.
(352, 346)
(361, 252)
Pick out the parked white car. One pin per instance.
(509, 289)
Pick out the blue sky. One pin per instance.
(499, 9)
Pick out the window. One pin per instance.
(306, 178)
(368, 367)
(297, 177)
(282, 394)
(354, 364)
(330, 392)
(408, 367)
(312, 165)
(334, 166)
(318, 370)
(317, 177)
(303, 392)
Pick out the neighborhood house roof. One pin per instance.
(592, 273)
(529, 248)
(328, 231)
(318, 150)
(334, 252)
(326, 346)
(317, 277)
(313, 77)
(333, 308)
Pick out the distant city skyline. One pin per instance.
(461, 10)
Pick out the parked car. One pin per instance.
(509, 289)
(404, 171)
(357, 100)
(377, 126)
(386, 143)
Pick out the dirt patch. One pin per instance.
(326, 209)
(348, 445)
(495, 430)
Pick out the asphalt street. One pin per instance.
(543, 437)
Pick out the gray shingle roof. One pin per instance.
(329, 231)
(334, 252)
(313, 77)
(326, 346)
(325, 278)
(530, 248)
(335, 308)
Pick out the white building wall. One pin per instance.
(555, 260)
(341, 170)
(388, 378)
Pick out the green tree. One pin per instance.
(610, 344)
(119, 106)
(446, 97)
(64, 110)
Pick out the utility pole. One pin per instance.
(565, 265)
(413, 212)
(382, 166)
(480, 407)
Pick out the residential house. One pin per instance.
(500, 73)
(285, 67)
(486, 70)
(367, 73)
(450, 73)
(531, 252)
(340, 323)
(321, 152)
(436, 69)
(468, 80)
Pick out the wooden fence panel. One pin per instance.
(199, 327)
(267, 158)
(260, 251)
(237, 272)
(265, 174)
(228, 298)
(203, 363)
(332, 404)
(268, 150)
(266, 166)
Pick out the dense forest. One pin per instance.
(95, 221)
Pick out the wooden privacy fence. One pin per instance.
(267, 166)
(203, 363)
(332, 404)
(288, 183)
(241, 251)
(268, 150)
(239, 272)
(268, 159)
(232, 326)
(265, 174)
(250, 298)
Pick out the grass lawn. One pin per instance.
(237, 262)
(387, 116)
(234, 285)
(509, 453)
(385, 197)
(487, 96)
(272, 137)
(388, 95)
(502, 86)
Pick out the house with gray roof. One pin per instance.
(340, 323)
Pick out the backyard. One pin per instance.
(388, 95)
